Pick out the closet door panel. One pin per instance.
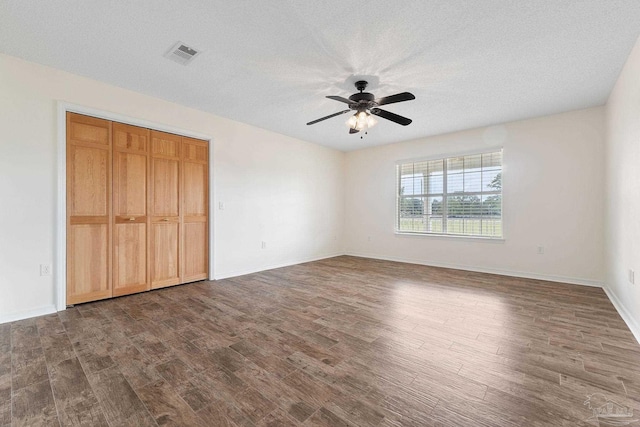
(165, 187)
(166, 267)
(195, 200)
(165, 209)
(131, 188)
(88, 187)
(165, 144)
(130, 257)
(195, 183)
(130, 202)
(88, 209)
(88, 263)
(195, 150)
(195, 251)
(88, 130)
(130, 138)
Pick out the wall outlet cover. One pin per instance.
(45, 269)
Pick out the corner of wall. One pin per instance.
(621, 204)
(634, 326)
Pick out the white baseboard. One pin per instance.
(501, 272)
(271, 267)
(633, 325)
(635, 328)
(20, 315)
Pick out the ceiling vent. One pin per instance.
(181, 53)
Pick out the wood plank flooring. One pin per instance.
(340, 342)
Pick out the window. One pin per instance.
(459, 196)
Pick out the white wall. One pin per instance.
(622, 217)
(298, 196)
(552, 197)
(277, 189)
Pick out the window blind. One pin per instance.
(456, 195)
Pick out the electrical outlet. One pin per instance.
(632, 278)
(45, 269)
(221, 206)
(264, 245)
(368, 238)
(540, 250)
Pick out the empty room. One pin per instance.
(303, 213)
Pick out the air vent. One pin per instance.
(181, 53)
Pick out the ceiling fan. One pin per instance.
(366, 106)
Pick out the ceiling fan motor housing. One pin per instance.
(362, 101)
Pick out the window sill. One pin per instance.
(451, 236)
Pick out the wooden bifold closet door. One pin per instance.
(195, 180)
(131, 220)
(137, 209)
(165, 209)
(88, 209)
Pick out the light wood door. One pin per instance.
(130, 209)
(165, 209)
(88, 209)
(195, 201)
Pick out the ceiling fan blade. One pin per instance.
(391, 116)
(352, 130)
(328, 117)
(399, 97)
(341, 99)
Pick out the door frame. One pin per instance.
(60, 270)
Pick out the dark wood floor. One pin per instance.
(339, 342)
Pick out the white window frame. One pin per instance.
(444, 194)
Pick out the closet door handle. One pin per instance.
(165, 219)
(132, 219)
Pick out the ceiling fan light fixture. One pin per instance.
(371, 121)
(361, 120)
(352, 121)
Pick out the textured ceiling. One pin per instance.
(270, 64)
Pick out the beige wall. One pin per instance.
(622, 217)
(276, 189)
(553, 194)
